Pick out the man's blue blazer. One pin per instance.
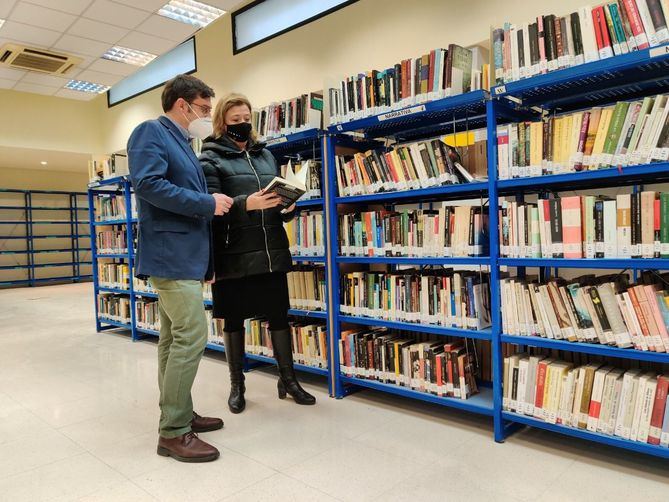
(175, 210)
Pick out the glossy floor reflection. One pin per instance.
(78, 419)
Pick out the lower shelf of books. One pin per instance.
(484, 334)
(479, 403)
(650, 449)
(587, 348)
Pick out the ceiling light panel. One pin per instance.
(83, 86)
(191, 12)
(129, 56)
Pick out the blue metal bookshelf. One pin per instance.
(423, 121)
(26, 223)
(305, 144)
(602, 82)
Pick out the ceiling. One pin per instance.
(87, 29)
(30, 158)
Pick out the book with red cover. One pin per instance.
(541, 382)
(602, 32)
(659, 406)
(636, 24)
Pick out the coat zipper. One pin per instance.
(262, 212)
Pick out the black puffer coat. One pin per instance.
(245, 242)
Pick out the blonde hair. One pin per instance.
(224, 104)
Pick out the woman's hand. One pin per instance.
(289, 209)
(261, 200)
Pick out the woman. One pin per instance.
(251, 255)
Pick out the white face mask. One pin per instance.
(200, 128)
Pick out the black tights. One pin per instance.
(277, 322)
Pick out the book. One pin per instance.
(290, 188)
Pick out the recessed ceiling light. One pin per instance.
(191, 12)
(83, 86)
(44, 162)
(130, 56)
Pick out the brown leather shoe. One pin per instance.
(205, 424)
(187, 448)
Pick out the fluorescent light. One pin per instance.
(2, 21)
(44, 162)
(191, 12)
(83, 86)
(130, 56)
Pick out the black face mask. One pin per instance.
(239, 132)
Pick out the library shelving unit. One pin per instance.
(40, 231)
(298, 146)
(422, 121)
(624, 77)
(305, 144)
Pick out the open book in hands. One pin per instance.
(290, 188)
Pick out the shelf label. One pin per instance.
(401, 113)
(276, 141)
(659, 51)
(500, 89)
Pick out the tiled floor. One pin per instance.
(78, 417)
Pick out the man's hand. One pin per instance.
(223, 203)
(261, 200)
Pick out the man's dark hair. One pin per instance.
(186, 87)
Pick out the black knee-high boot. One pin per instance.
(234, 351)
(288, 384)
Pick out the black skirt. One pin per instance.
(262, 295)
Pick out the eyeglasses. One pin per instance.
(206, 110)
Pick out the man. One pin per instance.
(174, 251)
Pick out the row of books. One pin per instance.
(147, 315)
(589, 34)
(111, 242)
(630, 404)
(435, 367)
(422, 164)
(447, 231)
(437, 297)
(114, 275)
(309, 342)
(112, 207)
(606, 310)
(108, 167)
(114, 307)
(629, 226)
(627, 133)
(306, 234)
(437, 74)
(289, 116)
(306, 288)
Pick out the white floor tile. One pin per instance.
(41, 448)
(67, 479)
(133, 457)
(279, 488)
(112, 428)
(211, 481)
(353, 471)
(125, 492)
